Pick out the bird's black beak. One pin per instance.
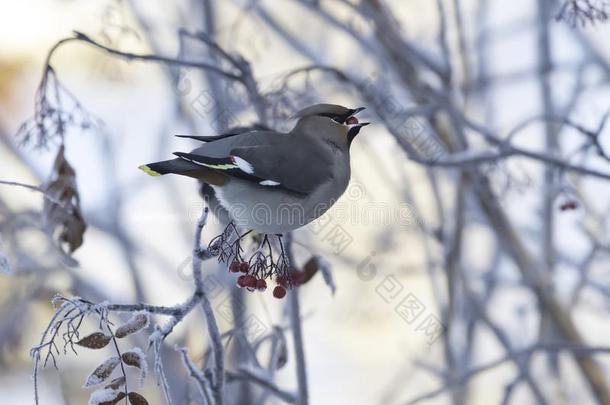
(354, 129)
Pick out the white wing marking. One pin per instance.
(243, 165)
(269, 183)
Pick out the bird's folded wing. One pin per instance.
(290, 166)
(273, 166)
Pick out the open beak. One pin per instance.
(352, 121)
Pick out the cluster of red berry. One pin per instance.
(252, 283)
(287, 281)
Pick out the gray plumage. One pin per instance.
(275, 182)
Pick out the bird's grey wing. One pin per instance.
(269, 159)
(285, 164)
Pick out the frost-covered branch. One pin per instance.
(72, 313)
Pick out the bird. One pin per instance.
(272, 182)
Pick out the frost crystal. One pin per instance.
(105, 395)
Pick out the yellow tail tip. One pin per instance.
(148, 170)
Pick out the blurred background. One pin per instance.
(469, 253)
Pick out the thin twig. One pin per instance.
(34, 188)
(525, 353)
(213, 331)
(156, 58)
(297, 332)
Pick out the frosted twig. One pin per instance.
(156, 341)
(297, 333)
(213, 331)
(197, 374)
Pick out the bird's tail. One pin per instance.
(176, 166)
(185, 168)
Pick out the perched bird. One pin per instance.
(273, 182)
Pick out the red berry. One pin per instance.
(279, 292)
(234, 267)
(241, 281)
(261, 285)
(250, 281)
(282, 280)
(243, 267)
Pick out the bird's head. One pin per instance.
(331, 122)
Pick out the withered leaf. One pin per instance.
(116, 383)
(61, 212)
(106, 396)
(315, 264)
(96, 340)
(137, 322)
(136, 358)
(310, 269)
(137, 399)
(132, 359)
(102, 372)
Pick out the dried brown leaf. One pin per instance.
(137, 399)
(136, 358)
(313, 265)
(116, 383)
(96, 340)
(137, 322)
(310, 269)
(132, 359)
(62, 215)
(102, 372)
